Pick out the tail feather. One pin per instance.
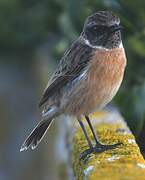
(36, 135)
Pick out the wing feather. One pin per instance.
(70, 67)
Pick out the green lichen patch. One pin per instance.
(123, 163)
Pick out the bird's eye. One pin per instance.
(95, 28)
(99, 29)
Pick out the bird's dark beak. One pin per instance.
(115, 28)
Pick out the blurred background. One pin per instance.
(33, 37)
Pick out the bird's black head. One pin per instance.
(103, 29)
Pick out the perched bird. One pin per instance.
(86, 79)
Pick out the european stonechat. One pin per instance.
(86, 79)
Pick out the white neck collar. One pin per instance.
(98, 47)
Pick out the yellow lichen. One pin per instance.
(124, 162)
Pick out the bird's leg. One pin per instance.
(92, 129)
(85, 133)
(90, 150)
(99, 146)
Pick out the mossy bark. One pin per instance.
(122, 163)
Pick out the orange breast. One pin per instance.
(101, 83)
(105, 75)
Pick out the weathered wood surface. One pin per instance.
(122, 163)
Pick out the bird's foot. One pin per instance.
(102, 147)
(99, 148)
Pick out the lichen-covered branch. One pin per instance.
(122, 163)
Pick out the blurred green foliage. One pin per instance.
(24, 25)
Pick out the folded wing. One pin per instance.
(70, 67)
